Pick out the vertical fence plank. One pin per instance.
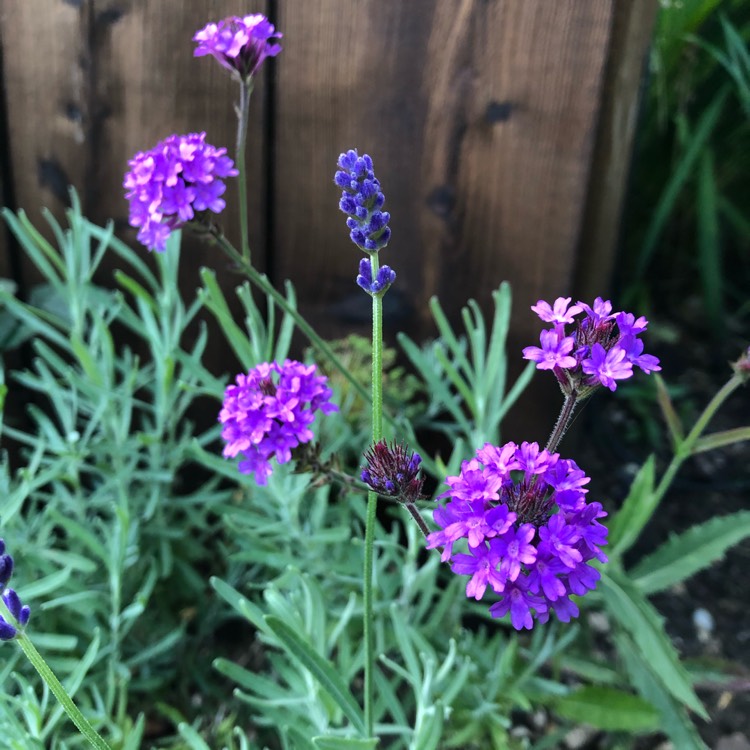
(631, 36)
(481, 118)
(116, 77)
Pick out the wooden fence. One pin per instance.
(500, 130)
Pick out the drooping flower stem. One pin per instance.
(243, 115)
(417, 516)
(563, 421)
(60, 693)
(372, 500)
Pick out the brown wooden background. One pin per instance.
(500, 130)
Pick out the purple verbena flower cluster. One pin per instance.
(362, 200)
(383, 278)
(599, 347)
(530, 533)
(269, 412)
(169, 184)
(393, 471)
(239, 44)
(18, 611)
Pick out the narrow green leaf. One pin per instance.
(674, 720)
(41, 587)
(244, 606)
(342, 743)
(685, 554)
(720, 439)
(194, 740)
(634, 613)
(635, 512)
(448, 335)
(213, 298)
(674, 424)
(679, 177)
(429, 730)
(607, 708)
(708, 240)
(320, 668)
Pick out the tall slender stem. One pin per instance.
(243, 115)
(562, 423)
(372, 501)
(60, 693)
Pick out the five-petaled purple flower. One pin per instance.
(268, 412)
(362, 200)
(166, 186)
(239, 44)
(18, 611)
(529, 532)
(602, 347)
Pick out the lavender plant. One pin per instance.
(364, 636)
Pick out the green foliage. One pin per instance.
(685, 216)
(150, 586)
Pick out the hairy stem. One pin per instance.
(243, 115)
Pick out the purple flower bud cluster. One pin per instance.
(383, 278)
(529, 531)
(239, 44)
(269, 412)
(169, 184)
(18, 611)
(393, 471)
(599, 347)
(362, 200)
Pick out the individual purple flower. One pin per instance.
(240, 44)
(522, 605)
(559, 312)
(521, 512)
(554, 352)
(482, 565)
(362, 200)
(19, 613)
(382, 281)
(268, 412)
(589, 346)
(393, 471)
(606, 367)
(167, 186)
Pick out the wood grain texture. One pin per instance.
(481, 118)
(633, 25)
(115, 78)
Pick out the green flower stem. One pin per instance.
(261, 281)
(372, 500)
(685, 448)
(243, 115)
(60, 693)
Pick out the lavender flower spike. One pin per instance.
(239, 44)
(362, 200)
(268, 412)
(526, 529)
(382, 281)
(167, 186)
(18, 611)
